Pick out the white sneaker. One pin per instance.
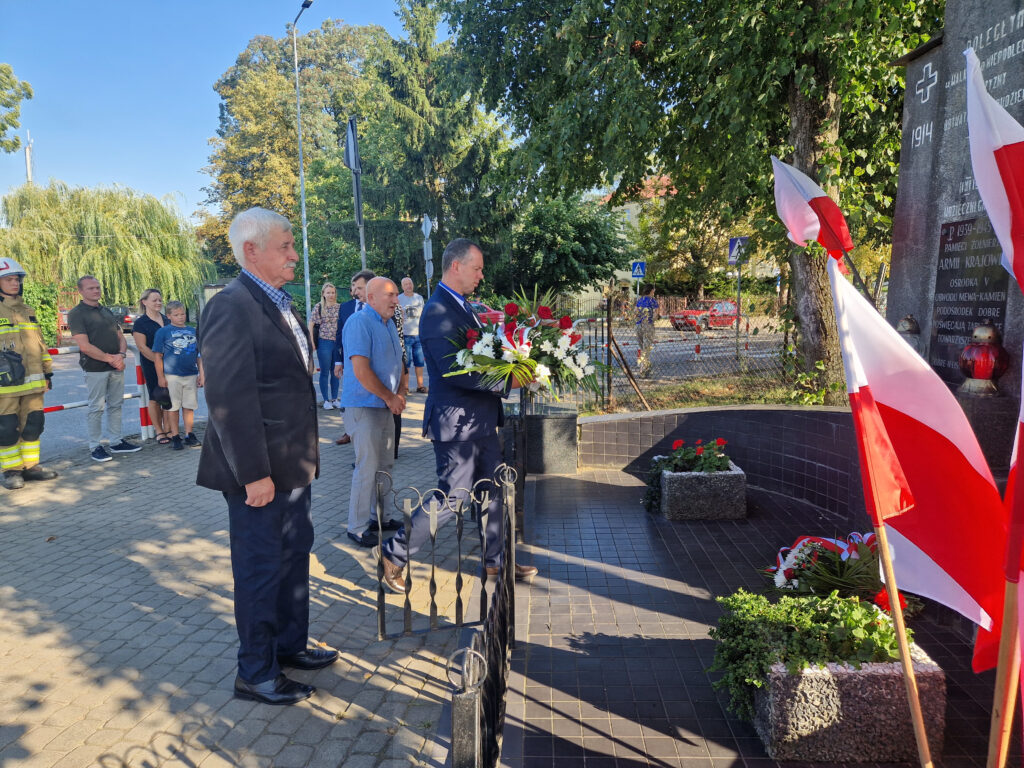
(327, 405)
(337, 403)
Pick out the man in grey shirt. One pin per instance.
(102, 352)
(412, 308)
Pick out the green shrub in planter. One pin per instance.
(755, 633)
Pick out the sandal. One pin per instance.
(162, 438)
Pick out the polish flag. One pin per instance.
(923, 471)
(807, 212)
(997, 157)
(997, 154)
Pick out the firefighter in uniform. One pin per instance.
(25, 373)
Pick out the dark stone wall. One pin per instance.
(803, 452)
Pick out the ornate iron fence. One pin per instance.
(410, 501)
(687, 360)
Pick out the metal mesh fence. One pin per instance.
(697, 353)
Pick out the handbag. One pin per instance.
(316, 334)
(12, 370)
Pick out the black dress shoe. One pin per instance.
(367, 539)
(311, 658)
(388, 525)
(280, 690)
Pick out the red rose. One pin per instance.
(678, 444)
(720, 442)
(700, 449)
(511, 309)
(882, 600)
(472, 334)
(575, 338)
(789, 573)
(470, 343)
(544, 313)
(565, 323)
(699, 442)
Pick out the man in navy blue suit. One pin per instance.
(358, 289)
(461, 415)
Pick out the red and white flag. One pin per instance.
(807, 212)
(997, 155)
(923, 471)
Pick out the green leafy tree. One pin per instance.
(561, 244)
(129, 241)
(436, 151)
(254, 160)
(704, 92)
(12, 92)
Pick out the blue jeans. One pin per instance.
(327, 356)
(415, 349)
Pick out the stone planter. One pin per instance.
(704, 495)
(842, 714)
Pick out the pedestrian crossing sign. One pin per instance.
(639, 270)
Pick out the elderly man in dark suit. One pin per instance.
(261, 451)
(461, 415)
(358, 290)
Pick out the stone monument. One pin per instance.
(946, 268)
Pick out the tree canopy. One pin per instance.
(129, 241)
(12, 92)
(562, 244)
(616, 92)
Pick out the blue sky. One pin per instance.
(124, 90)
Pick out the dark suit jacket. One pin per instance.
(345, 311)
(263, 417)
(460, 407)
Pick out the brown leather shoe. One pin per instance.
(343, 440)
(392, 573)
(523, 572)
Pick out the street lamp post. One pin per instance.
(302, 175)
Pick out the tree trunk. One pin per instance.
(814, 132)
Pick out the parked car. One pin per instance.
(486, 314)
(125, 316)
(709, 314)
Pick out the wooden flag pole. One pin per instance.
(923, 752)
(1007, 682)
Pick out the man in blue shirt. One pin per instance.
(374, 387)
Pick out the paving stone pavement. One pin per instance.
(117, 640)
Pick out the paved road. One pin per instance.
(117, 641)
(66, 433)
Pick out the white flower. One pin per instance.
(543, 372)
(563, 342)
(582, 359)
(588, 370)
(559, 354)
(462, 358)
(547, 346)
(484, 350)
(508, 355)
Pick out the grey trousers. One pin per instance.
(373, 437)
(106, 392)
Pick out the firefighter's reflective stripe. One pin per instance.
(10, 457)
(32, 383)
(29, 450)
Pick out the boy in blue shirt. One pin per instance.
(179, 368)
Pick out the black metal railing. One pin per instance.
(434, 503)
(478, 698)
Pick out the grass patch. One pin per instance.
(703, 392)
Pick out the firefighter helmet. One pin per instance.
(10, 267)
